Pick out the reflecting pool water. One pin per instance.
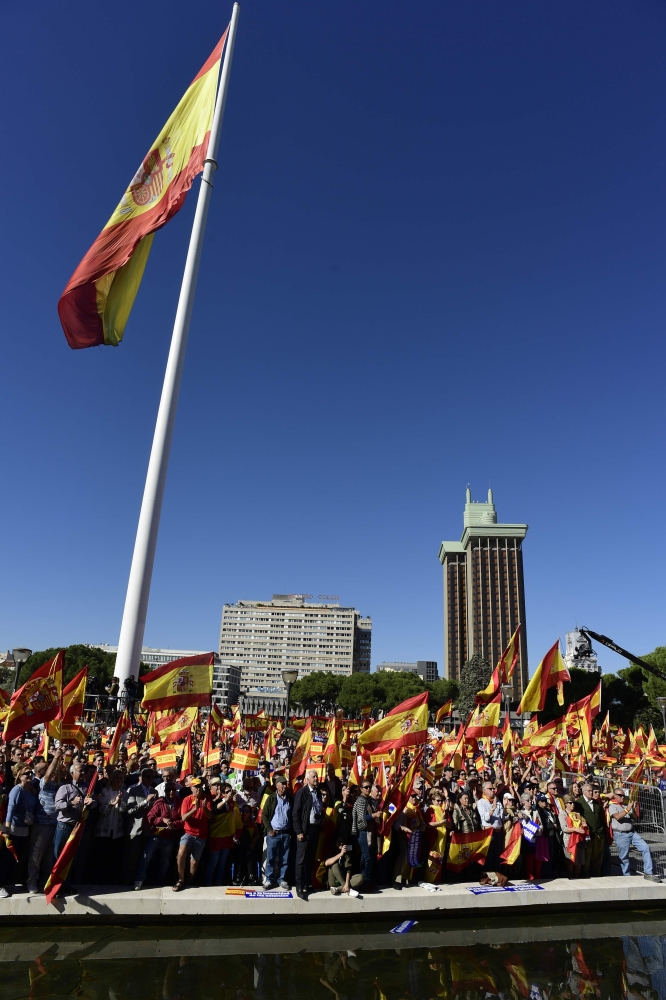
(589, 955)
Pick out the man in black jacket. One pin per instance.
(593, 812)
(307, 817)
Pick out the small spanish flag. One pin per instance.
(467, 847)
(171, 728)
(61, 868)
(73, 699)
(551, 672)
(96, 304)
(179, 684)
(406, 725)
(485, 720)
(446, 709)
(300, 756)
(512, 844)
(217, 717)
(38, 700)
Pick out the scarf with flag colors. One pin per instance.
(551, 672)
(404, 726)
(503, 672)
(467, 847)
(96, 304)
(39, 700)
(61, 868)
(179, 684)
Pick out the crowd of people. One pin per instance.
(331, 830)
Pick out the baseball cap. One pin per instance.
(195, 781)
(213, 781)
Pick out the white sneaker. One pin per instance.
(138, 883)
(267, 886)
(285, 886)
(334, 891)
(33, 890)
(3, 893)
(354, 894)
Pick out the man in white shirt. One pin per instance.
(491, 812)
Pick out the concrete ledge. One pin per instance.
(202, 905)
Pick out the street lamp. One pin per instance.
(662, 705)
(289, 677)
(507, 692)
(21, 656)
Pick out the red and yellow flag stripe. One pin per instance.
(96, 304)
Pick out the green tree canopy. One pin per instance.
(100, 664)
(317, 692)
(360, 689)
(440, 692)
(474, 677)
(397, 686)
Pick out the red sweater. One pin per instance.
(158, 812)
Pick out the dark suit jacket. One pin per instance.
(300, 813)
(594, 816)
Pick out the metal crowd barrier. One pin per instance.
(650, 798)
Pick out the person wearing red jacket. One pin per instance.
(164, 827)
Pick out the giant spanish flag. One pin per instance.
(406, 725)
(179, 684)
(551, 672)
(503, 672)
(38, 700)
(73, 699)
(95, 306)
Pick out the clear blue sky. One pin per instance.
(435, 256)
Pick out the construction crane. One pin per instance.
(605, 641)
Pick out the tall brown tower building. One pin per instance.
(484, 594)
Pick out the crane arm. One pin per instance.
(605, 641)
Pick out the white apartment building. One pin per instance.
(426, 669)
(267, 637)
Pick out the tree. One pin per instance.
(440, 692)
(397, 686)
(474, 677)
(317, 692)
(100, 664)
(360, 689)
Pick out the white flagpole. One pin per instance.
(138, 586)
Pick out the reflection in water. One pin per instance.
(611, 967)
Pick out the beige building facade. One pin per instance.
(484, 593)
